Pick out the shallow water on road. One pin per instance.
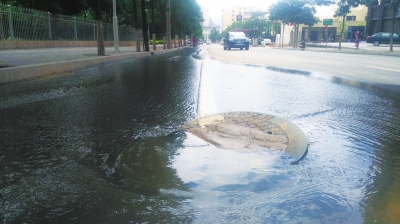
(104, 145)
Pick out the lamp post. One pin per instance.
(115, 28)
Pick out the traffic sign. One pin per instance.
(327, 21)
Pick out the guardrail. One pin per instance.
(17, 23)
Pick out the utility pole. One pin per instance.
(115, 26)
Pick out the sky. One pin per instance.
(215, 6)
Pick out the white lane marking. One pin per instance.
(388, 69)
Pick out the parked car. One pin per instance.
(259, 40)
(266, 42)
(200, 41)
(383, 38)
(236, 40)
(187, 41)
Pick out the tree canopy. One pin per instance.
(186, 14)
(297, 11)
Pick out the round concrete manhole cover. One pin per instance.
(250, 130)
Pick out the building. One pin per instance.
(380, 19)
(208, 24)
(355, 20)
(238, 13)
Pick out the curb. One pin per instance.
(344, 50)
(12, 74)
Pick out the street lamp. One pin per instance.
(115, 28)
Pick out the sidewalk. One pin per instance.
(348, 48)
(19, 64)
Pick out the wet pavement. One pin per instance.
(104, 144)
(24, 57)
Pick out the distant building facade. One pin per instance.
(208, 24)
(238, 13)
(380, 18)
(355, 20)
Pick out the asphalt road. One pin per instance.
(381, 69)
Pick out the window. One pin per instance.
(385, 35)
(350, 18)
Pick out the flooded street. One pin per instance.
(105, 144)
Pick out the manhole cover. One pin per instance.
(250, 130)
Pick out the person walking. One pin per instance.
(194, 41)
(357, 43)
(357, 34)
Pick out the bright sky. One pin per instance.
(215, 6)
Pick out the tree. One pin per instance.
(214, 35)
(66, 7)
(257, 23)
(395, 7)
(294, 11)
(99, 7)
(136, 23)
(144, 26)
(186, 18)
(343, 8)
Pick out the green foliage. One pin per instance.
(185, 14)
(214, 35)
(298, 11)
(344, 7)
(276, 26)
(157, 42)
(66, 7)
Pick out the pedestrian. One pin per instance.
(357, 43)
(194, 41)
(357, 34)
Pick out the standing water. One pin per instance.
(105, 145)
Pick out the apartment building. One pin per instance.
(238, 13)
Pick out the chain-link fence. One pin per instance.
(18, 23)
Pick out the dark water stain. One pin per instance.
(288, 70)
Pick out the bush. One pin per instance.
(157, 42)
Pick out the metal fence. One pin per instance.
(18, 23)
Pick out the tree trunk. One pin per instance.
(144, 26)
(341, 33)
(391, 35)
(100, 34)
(100, 38)
(282, 35)
(153, 26)
(136, 22)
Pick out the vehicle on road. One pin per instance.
(208, 42)
(266, 42)
(382, 38)
(259, 41)
(236, 40)
(246, 32)
(200, 41)
(188, 42)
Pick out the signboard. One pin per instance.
(327, 21)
